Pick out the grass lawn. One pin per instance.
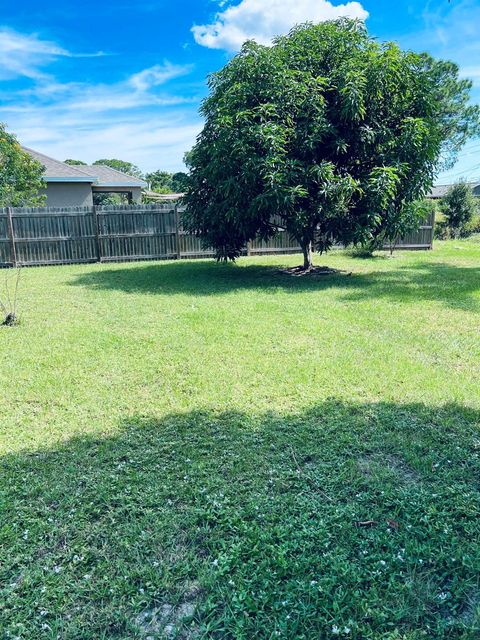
(192, 450)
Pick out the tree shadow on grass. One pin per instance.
(454, 286)
(347, 515)
(451, 285)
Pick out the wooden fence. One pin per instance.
(42, 236)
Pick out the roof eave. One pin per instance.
(68, 179)
(106, 185)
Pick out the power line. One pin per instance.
(469, 152)
(466, 172)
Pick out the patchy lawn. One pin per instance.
(191, 450)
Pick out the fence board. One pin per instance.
(128, 232)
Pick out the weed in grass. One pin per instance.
(9, 297)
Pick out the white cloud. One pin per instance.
(471, 72)
(261, 20)
(134, 119)
(24, 55)
(136, 91)
(158, 74)
(150, 141)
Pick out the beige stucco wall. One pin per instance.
(69, 194)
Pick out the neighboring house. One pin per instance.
(74, 186)
(440, 190)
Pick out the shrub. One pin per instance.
(459, 206)
(441, 230)
(471, 227)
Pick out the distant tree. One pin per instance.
(166, 182)
(459, 205)
(123, 166)
(187, 158)
(75, 162)
(104, 199)
(20, 175)
(160, 181)
(328, 134)
(179, 182)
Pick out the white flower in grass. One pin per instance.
(442, 596)
(383, 563)
(215, 562)
(346, 630)
(336, 630)
(313, 583)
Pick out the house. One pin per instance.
(440, 190)
(75, 186)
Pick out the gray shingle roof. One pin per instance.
(98, 174)
(56, 171)
(441, 189)
(108, 177)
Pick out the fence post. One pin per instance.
(249, 248)
(177, 232)
(96, 228)
(432, 230)
(11, 236)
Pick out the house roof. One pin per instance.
(56, 171)
(98, 175)
(440, 190)
(108, 177)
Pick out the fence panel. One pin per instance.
(5, 251)
(421, 239)
(189, 245)
(280, 243)
(118, 233)
(53, 235)
(137, 232)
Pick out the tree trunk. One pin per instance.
(307, 256)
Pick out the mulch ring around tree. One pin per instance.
(313, 271)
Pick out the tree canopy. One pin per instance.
(75, 163)
(459, 205)
(20, 175)
(166, 182)
(123, 166)
(328, 134)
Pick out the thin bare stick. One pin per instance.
(15, 295)
(7, 290)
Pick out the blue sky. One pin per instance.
(122, 79)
